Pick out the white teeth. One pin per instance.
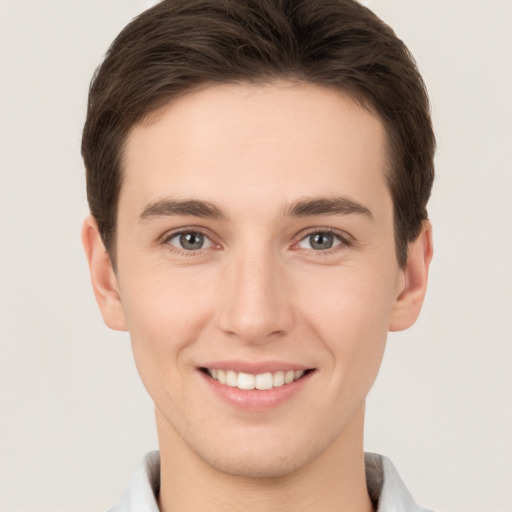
(261, 381)
(278, 379)
(245, 381)
(231, 378)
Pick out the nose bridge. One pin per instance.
(255, 305)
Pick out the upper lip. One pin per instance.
(255, 367)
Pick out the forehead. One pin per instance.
(247, 142)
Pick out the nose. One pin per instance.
(255, 298)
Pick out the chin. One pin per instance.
(262, 466)
(261, 458)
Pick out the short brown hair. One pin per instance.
(178, 45)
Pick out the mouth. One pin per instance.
(261, 381)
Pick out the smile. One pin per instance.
(261, 381)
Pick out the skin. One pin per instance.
(259, 289)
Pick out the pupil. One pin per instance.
(321, 241)
(191, 240)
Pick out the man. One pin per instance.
(258, 173)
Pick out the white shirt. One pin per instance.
(385, 487)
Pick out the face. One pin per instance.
(256, 270)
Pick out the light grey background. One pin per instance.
(74, 417)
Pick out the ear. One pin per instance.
(408, 303)
(103, 277)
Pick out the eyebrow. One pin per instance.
(172, 207)
(307, 207)
(338, 205)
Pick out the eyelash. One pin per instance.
(344, 239)
(167, 238)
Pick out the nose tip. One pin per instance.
(255, 308)
(253, 330)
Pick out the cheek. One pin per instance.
(165, 313)
(350, 312)
(161, 302)
(350, 299)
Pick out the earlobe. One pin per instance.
(103, 278)
(408, 303)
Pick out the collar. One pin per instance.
(386, 488)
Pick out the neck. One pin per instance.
(334, 481)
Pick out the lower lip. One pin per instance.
(255, 399)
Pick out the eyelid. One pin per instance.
(169, 235)
(346, 240)
(185, 229)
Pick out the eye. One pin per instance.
(189, 241)
(322, 241)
